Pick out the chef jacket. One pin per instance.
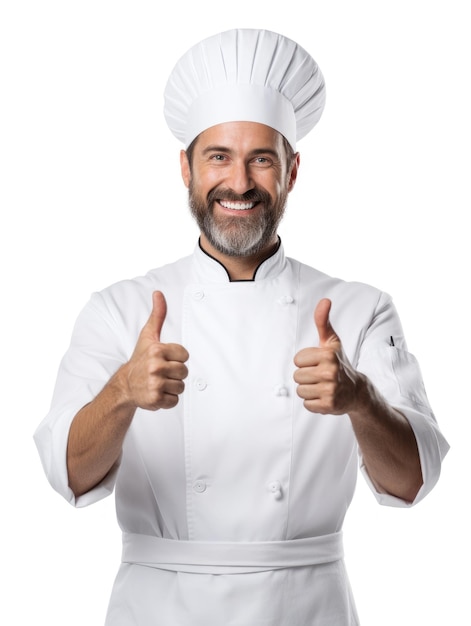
(232, 502)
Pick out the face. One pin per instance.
(238, 183)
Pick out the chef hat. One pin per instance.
(244, 75)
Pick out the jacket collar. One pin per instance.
(209, 269)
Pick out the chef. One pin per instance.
(229, 397)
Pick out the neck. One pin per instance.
(239, 267)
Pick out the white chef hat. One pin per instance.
(245, 75)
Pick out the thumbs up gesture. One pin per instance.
(156, 370)
(326, 381)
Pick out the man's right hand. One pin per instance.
(151, 379)
(155, 373)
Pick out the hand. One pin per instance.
(156, 370)
(326, 381)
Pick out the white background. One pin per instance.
(91, 193)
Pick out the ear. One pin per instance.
(293, 174)
(185, 168)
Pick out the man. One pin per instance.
(226, 396)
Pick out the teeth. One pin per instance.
(238, 206)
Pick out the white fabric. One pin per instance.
(245, 75)
(239, 459)
(236, 557)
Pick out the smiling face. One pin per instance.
(238, 181)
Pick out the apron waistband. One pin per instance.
(215, 557)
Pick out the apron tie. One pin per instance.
(216, 557)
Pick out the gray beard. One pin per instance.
(233, 236)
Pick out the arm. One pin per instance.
(152, 379)
(328, 384)
(387, 443)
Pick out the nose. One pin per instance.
(239, 177)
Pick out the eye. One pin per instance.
(262, 161)
(217, 157)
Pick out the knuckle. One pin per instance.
(170, 401)
(331, 373)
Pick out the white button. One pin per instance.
(281, 390)
(199, 486)
(200, 384)
(275, 488)
(285, 300)
(198, 295)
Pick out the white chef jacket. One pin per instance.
(232, 503)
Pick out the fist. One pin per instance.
(326, 381)
(156, 370)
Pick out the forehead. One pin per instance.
(241, 137)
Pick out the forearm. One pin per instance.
(387, 443)
(96, 435)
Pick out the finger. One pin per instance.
(171, 393)
(309, 392)
(308, 357)
(174, 371)
(174, 387)
(326, 333)
(306, 375)
(314, 375)
(170, 352)
(158, 314)
(162, 362)
(168, 401)
(322, 391)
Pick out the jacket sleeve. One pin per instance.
(94, 354)
(395, 372)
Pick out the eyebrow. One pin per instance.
(257, 151)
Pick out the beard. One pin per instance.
(238, 236)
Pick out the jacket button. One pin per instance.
(285, 300)
(281, 390)
(198, 295)
(275, 489)
(200, 384)
(199, 486)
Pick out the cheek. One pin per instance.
(274, 187)
(207, 180)
(273, 180)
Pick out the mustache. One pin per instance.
(252, 195)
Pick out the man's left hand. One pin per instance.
(326, 380)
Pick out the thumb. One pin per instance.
(327, 334)
(158, 314)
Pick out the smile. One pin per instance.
(237, 206)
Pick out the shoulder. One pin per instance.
(157, 278)
(333, 286)
(129, 300)
(356, 306)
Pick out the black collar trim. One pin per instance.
(244, 280)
